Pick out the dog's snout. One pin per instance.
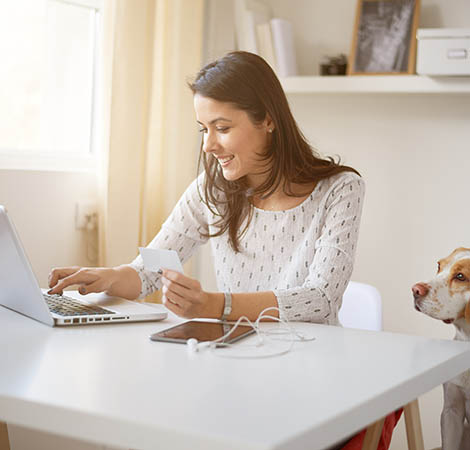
(419, 290)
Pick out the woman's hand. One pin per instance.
(185, 297)
(94, 279)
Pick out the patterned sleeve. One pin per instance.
(320, 296)
(181, 232)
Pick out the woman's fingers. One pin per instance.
(79, 277)
(178, 289)
(57, 274)
(181, 279)
(183, 295)
(183, 302)
(173, 307)
(97, 286)
(180, 294)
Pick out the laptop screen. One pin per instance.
(19, 289)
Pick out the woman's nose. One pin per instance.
(209, 143)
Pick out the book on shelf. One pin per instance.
(265, 44)
(248, 14)
(283, 40)
(271, 38)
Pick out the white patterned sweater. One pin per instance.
(304, 255)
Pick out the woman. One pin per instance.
(283, 222)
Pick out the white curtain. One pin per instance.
(150, 141)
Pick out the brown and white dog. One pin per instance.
(447, 297)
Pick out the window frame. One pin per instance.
(47, 160)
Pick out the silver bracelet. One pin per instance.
(227, 305)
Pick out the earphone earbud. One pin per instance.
(192, 344)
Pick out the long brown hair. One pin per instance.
(247, 82)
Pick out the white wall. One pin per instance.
(414, 154)
(42, 206)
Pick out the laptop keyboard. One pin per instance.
(67, 306)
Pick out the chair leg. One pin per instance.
(4, 441)
(414, 432)
(373, 433)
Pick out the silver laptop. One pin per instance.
(20, 291)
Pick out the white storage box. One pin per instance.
(443, 51)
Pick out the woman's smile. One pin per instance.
(224, 161)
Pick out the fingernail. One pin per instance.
(82, 291)
(49, 291)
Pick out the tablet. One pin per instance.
(202, 331)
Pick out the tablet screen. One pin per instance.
(202, 331)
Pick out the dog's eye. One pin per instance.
(460, 277)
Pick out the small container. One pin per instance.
(335, 65)
(443, 51)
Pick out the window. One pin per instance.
(48, 76)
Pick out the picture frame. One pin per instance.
(384, 37)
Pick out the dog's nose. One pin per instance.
(419, 290)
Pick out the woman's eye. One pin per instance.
(222, 129)
(203, 130)
(460, 277)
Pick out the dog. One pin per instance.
(447, 297)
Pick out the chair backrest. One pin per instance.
(362, 307)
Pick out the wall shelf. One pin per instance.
(380, 84)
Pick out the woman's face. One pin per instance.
(233, 139)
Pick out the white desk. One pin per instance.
(111, 384)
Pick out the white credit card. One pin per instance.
(156, 259)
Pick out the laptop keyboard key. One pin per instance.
(67, 306)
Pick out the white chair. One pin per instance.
(361, 308)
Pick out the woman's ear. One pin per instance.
(269, 124)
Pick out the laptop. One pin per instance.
(20, 292)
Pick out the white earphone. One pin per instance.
(193, 345)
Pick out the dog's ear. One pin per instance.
(467, 312)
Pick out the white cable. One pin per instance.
(219, 343)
